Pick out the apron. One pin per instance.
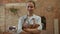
(31, 26)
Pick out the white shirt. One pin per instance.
(30, 21)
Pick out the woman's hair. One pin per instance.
(32, 2)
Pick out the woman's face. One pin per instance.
(30, 6)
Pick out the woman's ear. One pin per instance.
(35, 7)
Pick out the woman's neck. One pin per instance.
(30, 14)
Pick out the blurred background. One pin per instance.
(49, 10)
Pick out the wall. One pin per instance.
(41, 10)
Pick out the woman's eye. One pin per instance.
(30, 6)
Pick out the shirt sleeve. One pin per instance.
(39, 22)
(19, 26)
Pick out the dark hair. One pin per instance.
(32, 2)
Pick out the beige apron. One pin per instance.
(31, 26)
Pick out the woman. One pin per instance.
(30, 19)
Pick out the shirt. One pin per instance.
(29, 21)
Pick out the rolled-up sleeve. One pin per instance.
(39, 22)
(19, 26)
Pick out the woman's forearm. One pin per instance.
(31, 30)
(27, 30)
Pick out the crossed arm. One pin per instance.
(32, 30)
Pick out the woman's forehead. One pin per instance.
(30, 4)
